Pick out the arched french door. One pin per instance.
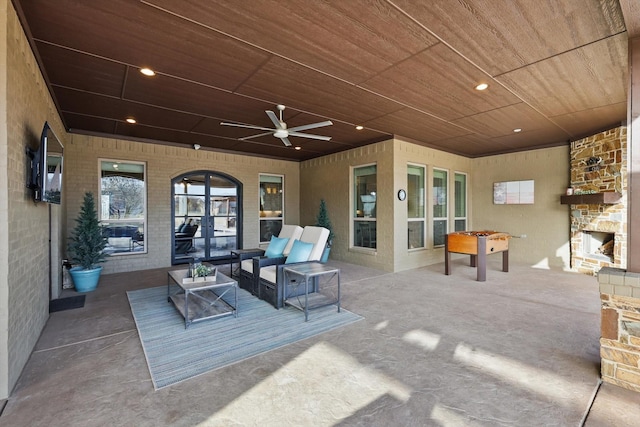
(206, 216)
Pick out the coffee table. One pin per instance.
(201, 300)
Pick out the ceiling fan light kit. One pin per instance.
(280, 129)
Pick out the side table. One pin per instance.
(240, 255)
(306, 273)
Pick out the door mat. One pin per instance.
(67, 303)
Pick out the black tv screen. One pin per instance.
(46, 168)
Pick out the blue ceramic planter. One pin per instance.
(85, 280)
(325, 255)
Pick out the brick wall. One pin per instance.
(163, 163)
(24, 241)
(598, 164)
(620, 328)
(329, 178)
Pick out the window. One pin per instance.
(271, 203)
(364, 206)
(460, 197)
(122, 210)
(440, 207)
(416, 206)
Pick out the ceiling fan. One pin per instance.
(281, 131)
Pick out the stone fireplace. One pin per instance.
(599, 201)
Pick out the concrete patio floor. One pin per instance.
(521, 349)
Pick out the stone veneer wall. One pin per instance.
(609, 175)
(620, 331)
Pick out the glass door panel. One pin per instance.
(222, 220)
(205, 217)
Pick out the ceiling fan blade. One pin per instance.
(286, 141)
(274, 119)
(238, 125)
(256, 136)
(311, 126)
(308, 135)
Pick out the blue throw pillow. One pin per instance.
(300, 252)
(276, 246)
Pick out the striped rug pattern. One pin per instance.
(175, 354)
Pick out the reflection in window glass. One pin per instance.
(416, 234)
(460, 197)
(189, 202)
(416, 206)
(440, 206)
(271, 206)
(364, 206)
(439, 231)
(223, 202)
(122, 209)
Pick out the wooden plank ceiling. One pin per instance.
(557, 69)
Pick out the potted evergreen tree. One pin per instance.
(86, 247)
(322, 220)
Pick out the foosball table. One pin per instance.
(477, 244)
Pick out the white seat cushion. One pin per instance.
(247, 265)
(318, 236)
(268, 273)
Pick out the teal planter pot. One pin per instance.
(325, 255)
(85, 280)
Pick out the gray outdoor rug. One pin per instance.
(175, 354)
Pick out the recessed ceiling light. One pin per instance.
(298, 148)
(131, 120)
(147, 72)
(359, 127)
(516, 130)
(482, 86)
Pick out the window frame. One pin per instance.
(435, 194)
(424, 216)
(357, 221)
(263, 219)
(143, 221)
(466, 200)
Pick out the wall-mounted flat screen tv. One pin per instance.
(46, 168)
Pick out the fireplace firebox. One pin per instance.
(596, 244)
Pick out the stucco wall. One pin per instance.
(24, 279)
(164, 163)
(545, 223)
